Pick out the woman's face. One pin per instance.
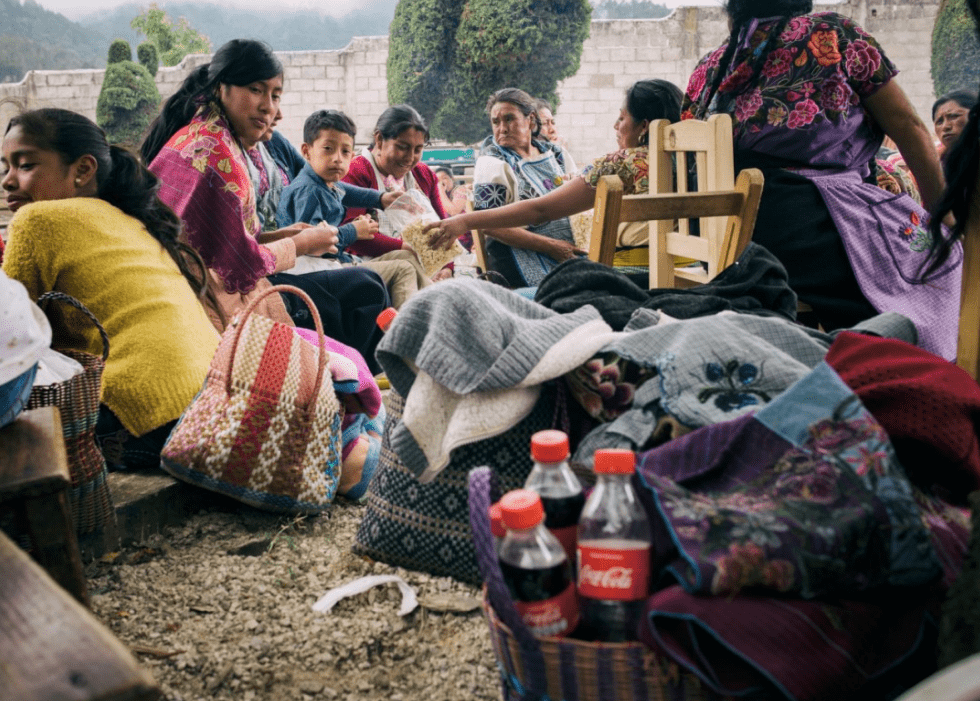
(251, 108)
(549, 129)
(31, 174)
(445, 181)
(511, 128)
(628, 131)
(396, 157)
(951, 118)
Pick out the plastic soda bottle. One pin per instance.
(497, 527)
(560, 490)
(613, 552)
(385, 318)
(535, 568)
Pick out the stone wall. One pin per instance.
(617, 53)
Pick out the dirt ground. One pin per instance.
(220, 608)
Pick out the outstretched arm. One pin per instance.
(571, 198)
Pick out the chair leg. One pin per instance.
(52, 535)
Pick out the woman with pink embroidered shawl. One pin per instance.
(198, 147)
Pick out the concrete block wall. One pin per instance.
(616, 54)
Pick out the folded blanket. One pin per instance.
(469, 357)
(756, 284)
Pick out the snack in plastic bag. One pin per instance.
(433, 259)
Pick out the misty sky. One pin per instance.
(74, 9)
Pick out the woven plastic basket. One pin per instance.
(564, 669)
(77, 400)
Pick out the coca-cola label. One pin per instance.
(568, 537)
(614, 574)
(551, 618)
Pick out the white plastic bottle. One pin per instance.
(560, 490)
(613, 552)
(535, 568)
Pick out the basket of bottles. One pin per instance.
(559, 635)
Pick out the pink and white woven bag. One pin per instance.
(265, 429)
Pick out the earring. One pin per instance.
(78, 182)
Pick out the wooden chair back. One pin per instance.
(479, 242)
(737, 207)
(968, 342)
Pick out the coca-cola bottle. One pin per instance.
(385, 318)
(559, 488)
(497, 527)
(613, 552)
(535, 568)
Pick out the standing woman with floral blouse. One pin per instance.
(811, 97)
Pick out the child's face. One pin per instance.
(330, 155)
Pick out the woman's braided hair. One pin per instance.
(961, 168)
(740, 14)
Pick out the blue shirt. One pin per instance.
(310, 199)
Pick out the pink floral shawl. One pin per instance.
(204, 179)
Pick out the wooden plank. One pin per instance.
(968, 340)
(605, 223)
(54, 648)
(677, 206)
(32, 455)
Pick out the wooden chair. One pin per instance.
(968, 342)
(34, 482)
(738, 206)
(479, 242)
(52, 647)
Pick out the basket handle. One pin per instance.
(72, 302)
(484, 490)
(321, 348)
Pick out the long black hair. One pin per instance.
(740, 13)
(396, 119)
(960, 167)
(121, 180)
(239, 62)
(653, 99)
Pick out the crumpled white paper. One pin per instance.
(359, 586)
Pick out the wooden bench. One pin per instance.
(52, 647)
(34, 482)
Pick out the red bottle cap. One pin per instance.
(386, 317)
(497, 521)
(522, 509)
(614, 461)
(549, 446)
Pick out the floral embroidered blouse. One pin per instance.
(805, 109)
(204, 178)
(632, 165)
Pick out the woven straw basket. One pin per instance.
(564, 669)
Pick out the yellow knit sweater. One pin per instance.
(160, 339)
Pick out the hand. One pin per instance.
(388, 197)
(562, 250)
(365, 227)
(449, 230)
(442, 274)
(317, 240)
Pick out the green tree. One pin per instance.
(119, 50)
(447, 56)
(955, 48)
(128, 102)
(146, 54)
(173, 42)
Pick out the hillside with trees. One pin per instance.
(34, 38)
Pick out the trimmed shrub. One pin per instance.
(128, 102)
(146, 53)
(119, 50)
(447, 57)
(421, 46)
(955, 49)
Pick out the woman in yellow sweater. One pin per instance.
(88, 223)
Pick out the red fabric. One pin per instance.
(361, 173)
(929, 407)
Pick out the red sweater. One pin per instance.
(361, 173)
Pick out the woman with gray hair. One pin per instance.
(515, 164)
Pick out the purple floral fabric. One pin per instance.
(806, 497)
(806, 103)
(606, 385)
